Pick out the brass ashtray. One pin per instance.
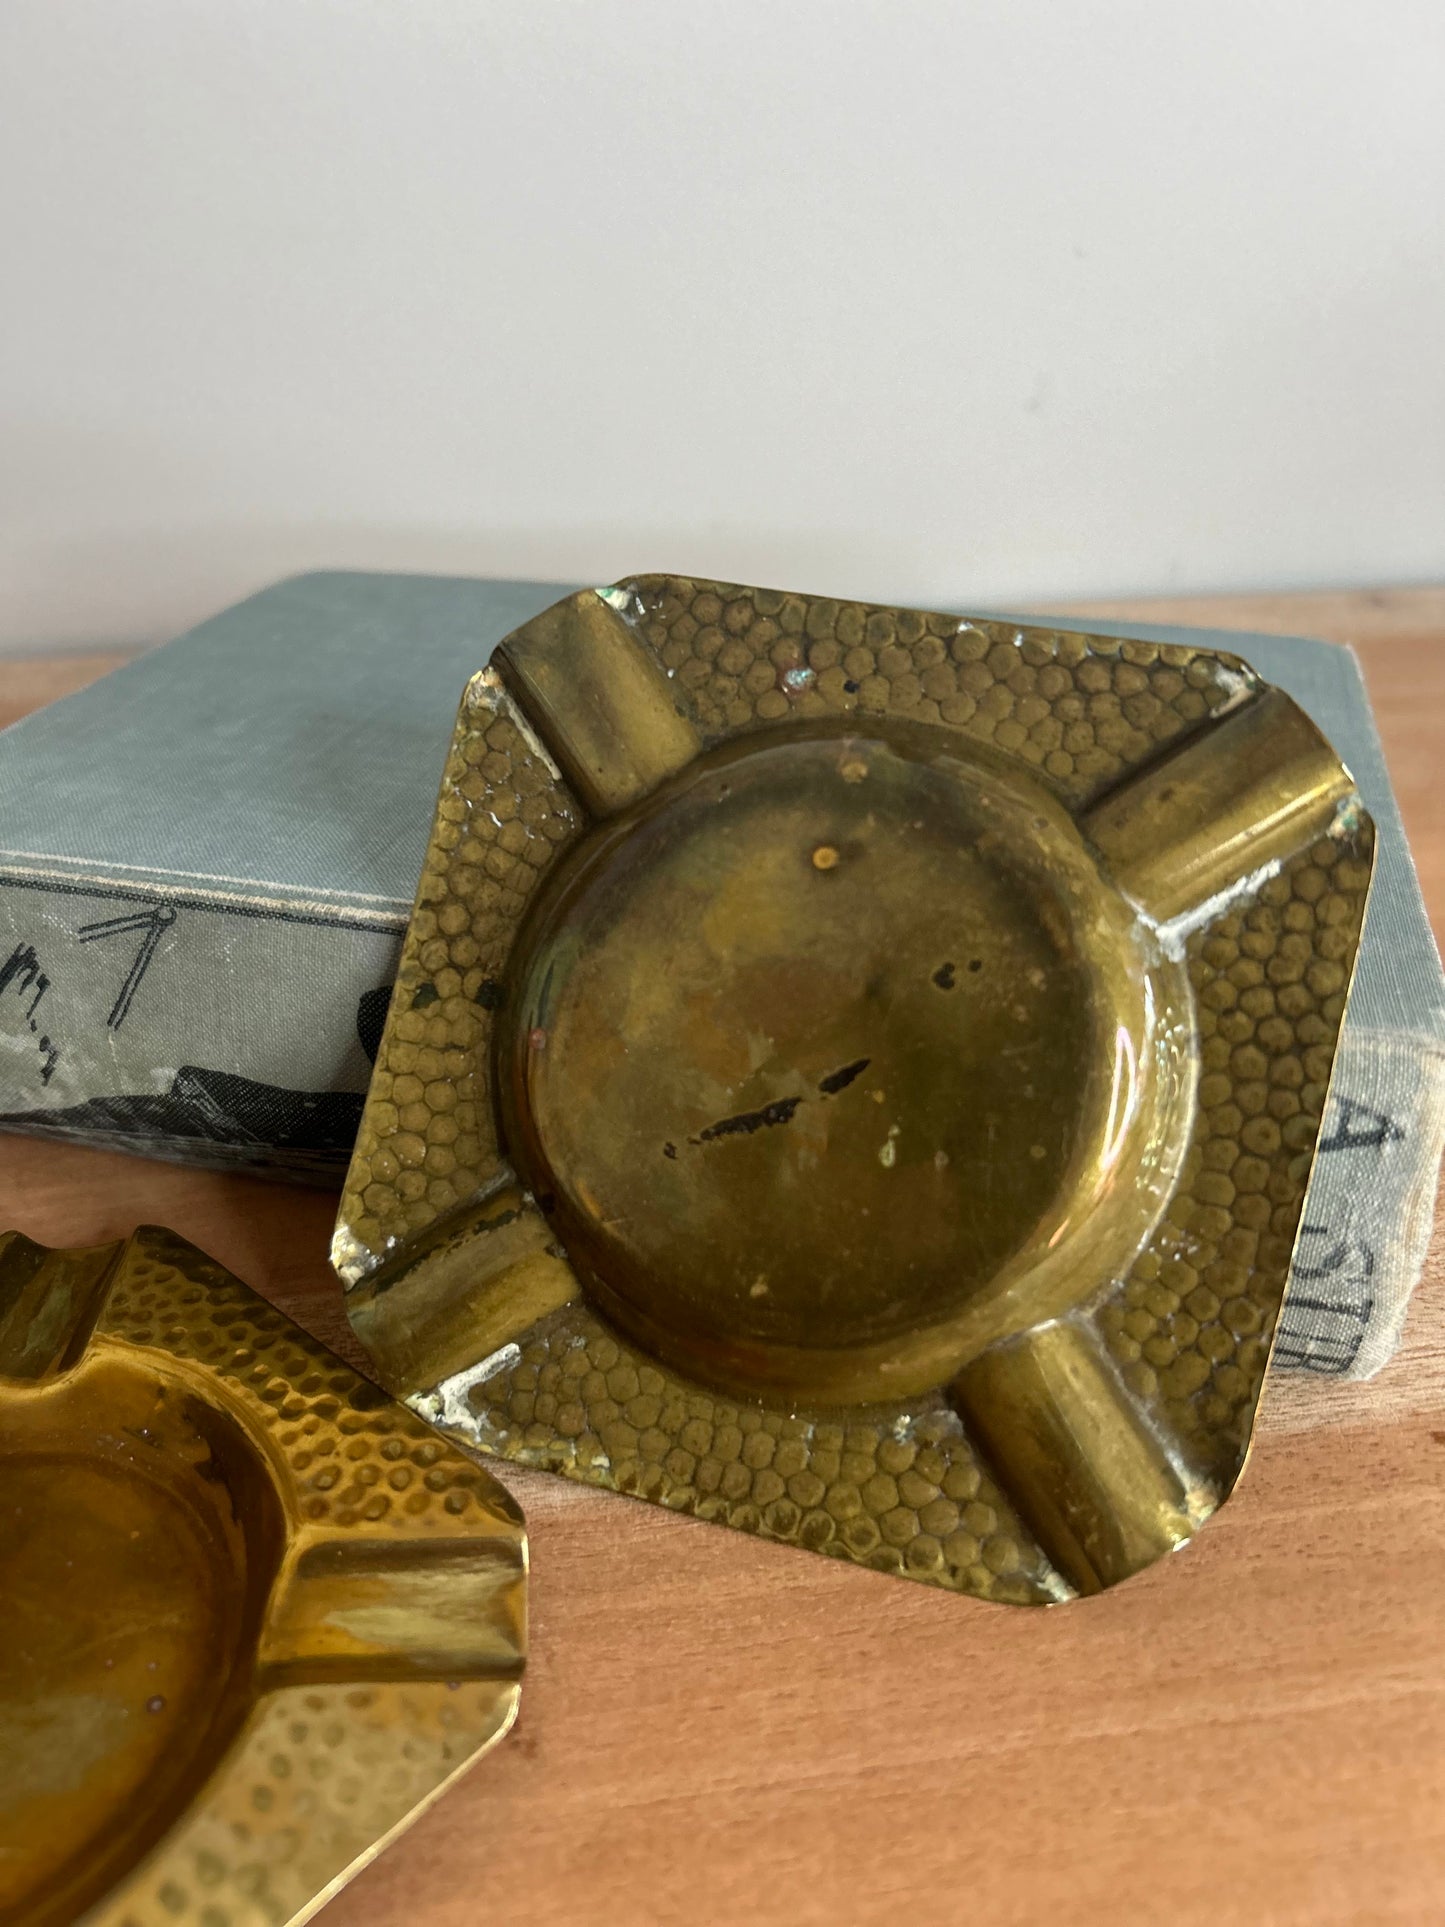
(854, 1074)
(257, 1617)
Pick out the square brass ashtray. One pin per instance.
(257, 1617)
(854, 1075)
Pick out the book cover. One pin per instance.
(207, 860)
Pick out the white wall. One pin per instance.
(1001, 299)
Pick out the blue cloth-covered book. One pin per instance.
(207, 861)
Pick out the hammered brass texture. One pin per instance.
(890, 836)
(257, 1615)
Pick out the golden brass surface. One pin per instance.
(854, 1074)
(257, 1615)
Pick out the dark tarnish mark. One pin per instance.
(839, 1080)
(780, 1111)
(977, 964)
(669, 1150)
(946, 976)
(489, 994)
(425, 994)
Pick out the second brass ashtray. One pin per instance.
(854, 1074)
(256, 1618)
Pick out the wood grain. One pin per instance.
(717, 1730)
(33, 680)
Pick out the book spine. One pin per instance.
(191, 1025)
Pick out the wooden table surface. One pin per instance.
(719, 1730)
